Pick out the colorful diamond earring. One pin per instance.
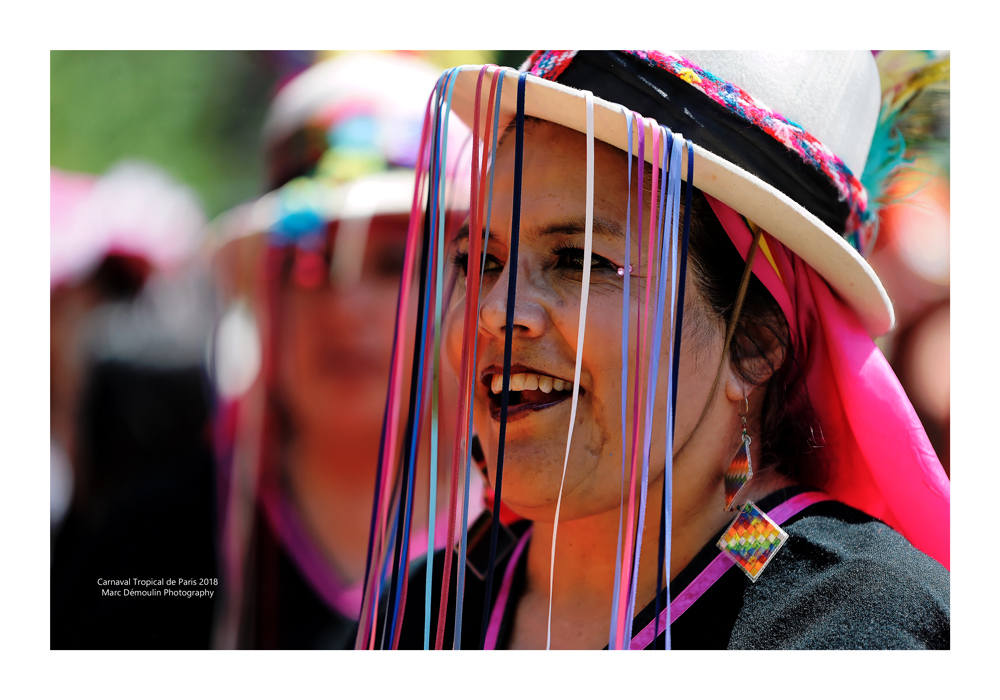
(740, 469)
(752, 539)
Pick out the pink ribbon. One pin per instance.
(496, 615)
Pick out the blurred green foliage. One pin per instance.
(197, 114)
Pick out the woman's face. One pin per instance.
(545, 325)
(337, 338)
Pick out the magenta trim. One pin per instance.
(294, 537)
(714, 571)
(496, 615)
(322, 577)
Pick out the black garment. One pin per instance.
(288, 613)
(843, 580)
(477, 559)
(146, 510)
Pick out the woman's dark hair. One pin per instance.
(787, 438)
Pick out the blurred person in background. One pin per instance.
(131, 467)
(912, 253)
(308, 279)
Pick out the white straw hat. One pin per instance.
(781, 137)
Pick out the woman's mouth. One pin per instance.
(530, 391)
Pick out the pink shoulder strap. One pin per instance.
(714, 571)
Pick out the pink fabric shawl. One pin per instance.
(880, 460)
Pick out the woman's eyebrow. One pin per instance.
(463, 233)
(608, 228)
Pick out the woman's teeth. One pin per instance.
(529, 381)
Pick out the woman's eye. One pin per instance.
(461, 262)
(572, 258)
(492, 264)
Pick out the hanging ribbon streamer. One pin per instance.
(666, 507)
(425, 379)
(460, 438)
(470, 329)
(427, 275)
(448, 557)
(435, 279)
(435, 251)
(438, 218)
(654, 355)
(588, 247)
(365, 638)
(474, 281)
(494, 528)
(676, 314)
(636, 393)
(624, 616)
(498, 79)
(470, 333)
(682, 275)
(512, 263)
(626, 314)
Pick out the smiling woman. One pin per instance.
(716, 377)
(545, 329)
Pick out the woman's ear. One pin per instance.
(755, 354)
(735, 387)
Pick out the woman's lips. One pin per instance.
(530, 391)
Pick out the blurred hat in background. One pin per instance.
(135, 212)
(341, 141)
(348, 116)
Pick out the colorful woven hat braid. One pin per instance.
(859, 228)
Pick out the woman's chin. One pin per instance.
(541, 513)
(532, 493)
(531, 479)
(538, 512)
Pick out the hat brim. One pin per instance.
(379, 194)
(382, 194)
(240, 233)
(847, 273)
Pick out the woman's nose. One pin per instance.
(529, 317)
